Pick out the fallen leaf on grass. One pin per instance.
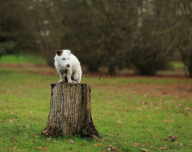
(111, 148)
(164, 148)
(147, 143)
(27, 125)
(98, 144)
(39, 148)
(3, 91)
(49, 139)
(101, 140)
(14, 141)
(45, 148)
(54, 141)
(71, 141)
(136, 145)
(172, 138)
(187, 109)
(139, 109)
(144, 149)
(10, 120)
(144, 103)
(95, 137)
(164, 139)
(154, 136)
(127, 110)
(149, 130)
(31, 112)
(167, 120)
(153, 147)
(179, 126)
(12, 112)
(45, 131)
(19, 93)
(10, 147)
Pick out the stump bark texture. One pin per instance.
(70, 112)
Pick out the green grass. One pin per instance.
(177, 64)
(23, 59)
(123, 115)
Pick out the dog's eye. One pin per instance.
(63, 58)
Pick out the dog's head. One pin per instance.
(63, 58)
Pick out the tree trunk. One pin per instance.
(70, 112)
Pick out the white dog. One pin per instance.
(68, 66)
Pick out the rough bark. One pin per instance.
(70, 112)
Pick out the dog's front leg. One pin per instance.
(69, 73)
(61, 77)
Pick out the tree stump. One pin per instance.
(70, 112)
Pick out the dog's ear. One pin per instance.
(69, 52)
(59, 52)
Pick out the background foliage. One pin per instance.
(139, 34)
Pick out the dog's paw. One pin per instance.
(69, 81)
(60, 81)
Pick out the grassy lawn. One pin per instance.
(22, 59)
(177, 64)
(153, 114)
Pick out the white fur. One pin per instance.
(74, 72)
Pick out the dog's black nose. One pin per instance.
(68, 65)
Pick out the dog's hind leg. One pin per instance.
(77, 76)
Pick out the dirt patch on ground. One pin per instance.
(176, 90)
(47, 70)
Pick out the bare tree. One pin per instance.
(14, 31)
(47, 28)
(152, 45)
(184, 32)
(100, 30)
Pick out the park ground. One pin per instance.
(131, 113)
